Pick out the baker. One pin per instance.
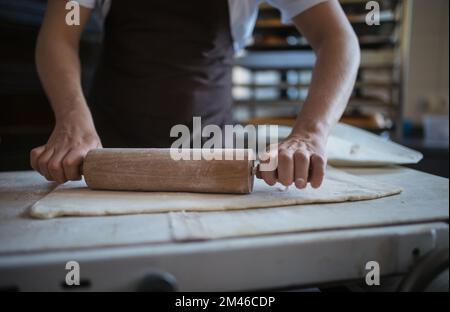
(165, 62)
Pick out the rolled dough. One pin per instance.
(75, 199)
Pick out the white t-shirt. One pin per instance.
(243, 14)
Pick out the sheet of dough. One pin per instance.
(353, 147)
(75, 199)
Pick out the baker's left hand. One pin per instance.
(301, 160)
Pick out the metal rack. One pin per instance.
(280, 51)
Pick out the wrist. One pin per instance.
(76, 118)
(71, 108)
(311, 129)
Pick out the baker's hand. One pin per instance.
(61, 158)
(301, 160)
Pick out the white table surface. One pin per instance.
(328, 242)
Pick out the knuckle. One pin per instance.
(34, 153)
(80, 151)
(284, 155)
(54, 166)
(68, 162)
(300, 156)
(283, 146)
(42, 163)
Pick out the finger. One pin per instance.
(270, 177)
(285, 167)
(301, 168)
(34, 156)
(317, 170)
(55, 167)
(43, 163)
(258, 172)
(72, 164)
(267, 168)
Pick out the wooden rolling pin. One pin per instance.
(156, 170)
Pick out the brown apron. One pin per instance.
(163, 62)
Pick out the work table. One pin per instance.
(330, 242)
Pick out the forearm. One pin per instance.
(302, 156)
(58, 65)
(59, 70)
(332, 82)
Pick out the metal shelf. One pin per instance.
(359, 84)
(272, 40)
(373, 102)
(366, 43)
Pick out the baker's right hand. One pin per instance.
(61, 159)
